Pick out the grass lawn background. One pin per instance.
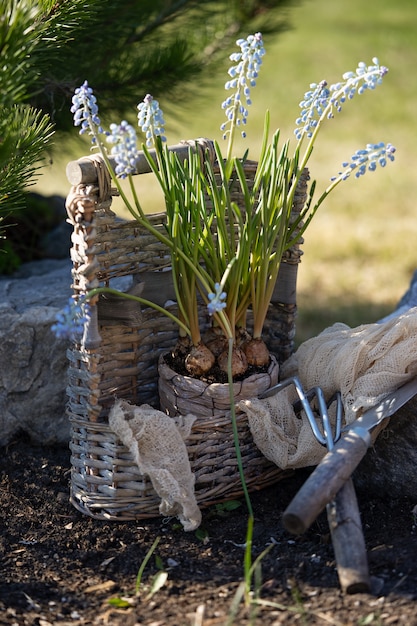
(360, 252)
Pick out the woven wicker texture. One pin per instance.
(118, 358)
(179, 395)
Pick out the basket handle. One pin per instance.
(84, 172)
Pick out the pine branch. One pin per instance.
(156, 46)
(24, 133)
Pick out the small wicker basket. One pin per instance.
(119, 356)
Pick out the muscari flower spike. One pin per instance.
(367, 159)
(216, 300)
(320, 101)
(85, 110)
(71, 320)
(243, 76)
(124, 150)
(151, 120)
(312, 108)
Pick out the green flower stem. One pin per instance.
(309, 213)
(98, 290)
(247, 563)
(138, 214)
(183, 225)
(175, 183)
(233, 241)
(116, 181)
(187, 303)
(270, 225)
(312, 139)
(136, 199)
(229, 153)
(144, 564)
(188, 298)
(249, 534)
(235, 429)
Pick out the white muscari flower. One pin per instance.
(216, 300)
(124, 151)
(365, 77)
(320, 101)
(85, 110)
(243, 77)
(367, 159)
(71, 320)
(312, 107)
(151, 120)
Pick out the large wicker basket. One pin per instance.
(119, 357)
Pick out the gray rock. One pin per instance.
(56, 243)
(409, 299)
(33, 362)
(38, 283)
(389, 467)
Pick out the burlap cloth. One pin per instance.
(363, 363)
(156, 443)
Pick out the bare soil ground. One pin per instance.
(61, 567)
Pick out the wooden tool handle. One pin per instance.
(348, 541)
(323, 484)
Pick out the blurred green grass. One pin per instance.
(360, 251)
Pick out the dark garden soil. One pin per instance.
(61, 567)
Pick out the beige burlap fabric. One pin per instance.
(156, 443)
(363, 363)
